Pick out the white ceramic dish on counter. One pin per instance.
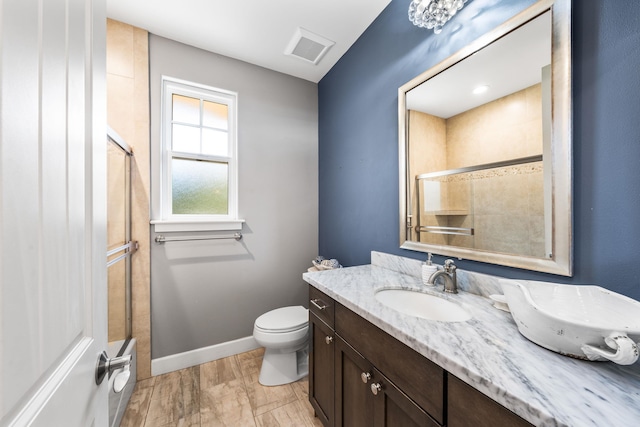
(586, 322)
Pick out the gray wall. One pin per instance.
(210, 292)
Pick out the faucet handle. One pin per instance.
(449, 266)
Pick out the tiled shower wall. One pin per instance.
(504, 129)
(428, 153)
(128, 115)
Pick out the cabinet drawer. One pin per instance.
(419, 378)
(322, 306)
(468, 407)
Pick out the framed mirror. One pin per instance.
(485, 147)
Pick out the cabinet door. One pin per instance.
(353, 374)
(321, 371)
(394, 408)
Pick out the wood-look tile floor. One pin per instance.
(224, 392)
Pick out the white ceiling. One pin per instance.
(255, 31)
(508, 65)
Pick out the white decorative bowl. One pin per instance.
(586, 322)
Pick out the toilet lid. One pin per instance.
(284, 319)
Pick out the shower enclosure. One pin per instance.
(120, 248)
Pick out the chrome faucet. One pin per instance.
(448, 273)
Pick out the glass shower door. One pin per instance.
(119, 244)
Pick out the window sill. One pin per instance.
(164, 226)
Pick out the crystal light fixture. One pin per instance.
(433, 13)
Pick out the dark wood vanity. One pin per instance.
(360, 375)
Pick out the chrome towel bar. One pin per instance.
(127, 249)
(161, 238)
(458, 231)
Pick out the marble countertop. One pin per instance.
(488, 353)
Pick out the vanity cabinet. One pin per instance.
(353, 383)
(360, 376)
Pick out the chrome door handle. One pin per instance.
(328, 339)
(318, 306)
(108, 366)
(376, 388)
(365, 377)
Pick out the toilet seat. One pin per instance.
(285, 319)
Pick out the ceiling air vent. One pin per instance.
(308, 46)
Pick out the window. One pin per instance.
(199, 159)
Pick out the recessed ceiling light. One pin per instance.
(480, 89)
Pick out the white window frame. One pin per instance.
(185, 222)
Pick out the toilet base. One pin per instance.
(283, 368)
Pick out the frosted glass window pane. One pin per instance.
(186, 109)
(199, 187)
(215, 142)
(186, 139)
(215, 115)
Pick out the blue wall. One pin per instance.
(358, 132)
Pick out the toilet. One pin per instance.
(284, 333)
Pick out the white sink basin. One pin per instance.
(422, 305)
(586, 322)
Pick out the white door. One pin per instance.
(52, 212)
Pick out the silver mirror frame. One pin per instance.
(561, 260)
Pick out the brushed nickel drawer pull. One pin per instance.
(318, 306)
(328, 339)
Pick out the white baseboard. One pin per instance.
(198, 356)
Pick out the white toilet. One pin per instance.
(284, 333)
